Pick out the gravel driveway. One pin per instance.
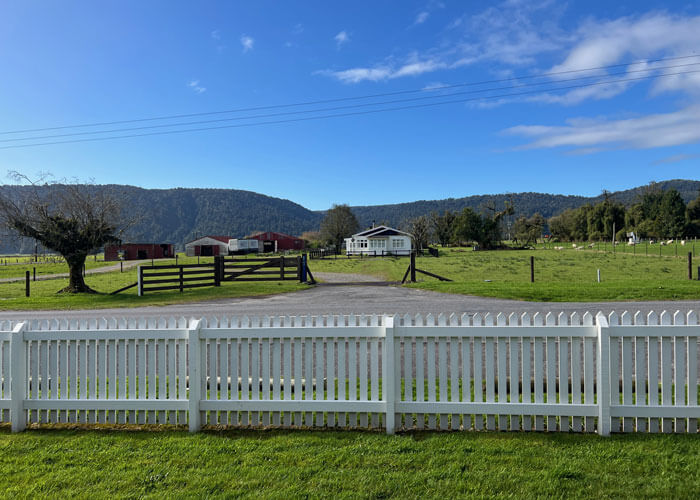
(365, 299)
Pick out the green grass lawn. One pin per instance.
(295, 464)
(560, 275)
(17, 270)
(43, 293)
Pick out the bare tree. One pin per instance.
(339, 223)
(420, 229)
(72, 219)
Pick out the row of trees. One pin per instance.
(465, 227)
(657, 214)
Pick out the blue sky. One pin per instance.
(70, 63)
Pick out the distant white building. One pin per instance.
(242, 246)
(632, 239)
(380, 240)
(207, 246)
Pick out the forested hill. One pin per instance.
(182, 214)
(524, 203)
(179, 215)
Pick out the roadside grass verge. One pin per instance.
(291, 464)
(560, 275)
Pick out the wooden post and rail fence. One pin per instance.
(182, 276)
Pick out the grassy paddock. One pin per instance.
(44, 268)
(560, 275)
(44, 296)
(281, 464)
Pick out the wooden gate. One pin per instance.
(262, 269)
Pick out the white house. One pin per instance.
(380, 240)
(632, 239)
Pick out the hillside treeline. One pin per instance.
(656, 214)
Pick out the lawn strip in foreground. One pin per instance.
(275, 463)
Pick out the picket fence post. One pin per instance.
(603, 376)
(18, 378)
(195, 384)
(389, 375)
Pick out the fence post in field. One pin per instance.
(532, 268)
(389, 391)
(18, 378)
(299, 270)
(281, 267)
(26, 284)
(218, 269)
(690, 265)
(140, 281)
(195, 383)
(413, 267)
(603, 376)
(182, 280)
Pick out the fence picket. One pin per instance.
(692, 371)
(442, 377)
(666, 371)
(327, 370)
(420, 381)
(466, 381)
(454, 379)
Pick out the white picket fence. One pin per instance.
(533, 373)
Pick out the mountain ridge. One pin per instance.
(177, 215)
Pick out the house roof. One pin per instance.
(223, 239)
(271, 235)
(380, 231)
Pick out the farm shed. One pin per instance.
(380, 240)
(276, 242)
(207, 246)
(137, 251)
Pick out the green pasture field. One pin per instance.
(43, 293)
(17, 270)
(560, 275)
(294, 464)
(678, 248)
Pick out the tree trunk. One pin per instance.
(76, 283)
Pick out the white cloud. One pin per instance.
(674, 159)
(651, 131)
(247, 43)
(385, 72)
(341, 38)
(298, 29)
(196, 87)
(604, 43)
(422, 17)
(216, 35)
(510, 34)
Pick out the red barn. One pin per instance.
(276, 242)
(139, 251)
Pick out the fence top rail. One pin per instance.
(175, 266)
(653, 324)
(289, 259)
(111, 334)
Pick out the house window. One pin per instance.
(398, 243)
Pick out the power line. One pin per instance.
(340, 115)
(341, 99)
(338, 108)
